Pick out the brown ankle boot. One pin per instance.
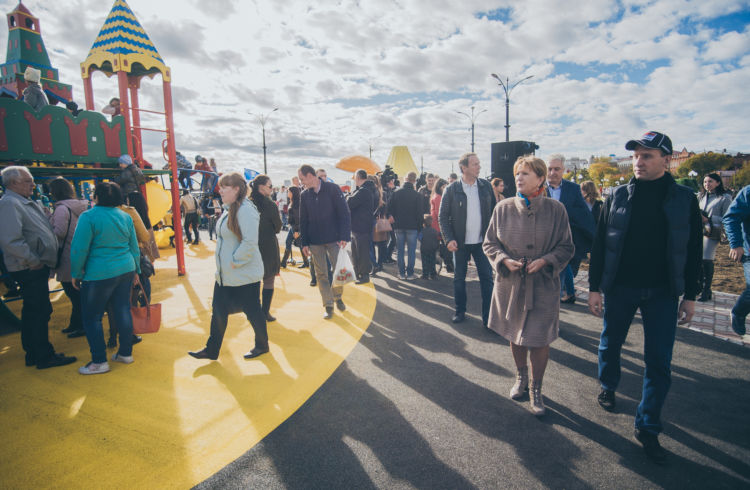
(535, 398)
(521, 386)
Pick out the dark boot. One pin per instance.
(287, 253)
(305, 262)
(708, 277)
(267, 296)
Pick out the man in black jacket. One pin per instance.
(465, 212)
(361, 206)
(646, 254)
(405, 209)
(325, 227)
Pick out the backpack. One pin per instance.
(140, 179)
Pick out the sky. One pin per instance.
(347, 76)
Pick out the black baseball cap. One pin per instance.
(653, 140)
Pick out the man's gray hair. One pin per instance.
(411, 177)
(13, 174)
(556, 156)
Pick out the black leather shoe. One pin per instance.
(313, 283)
(58, 359)
(270, 318)
(69, 329)
(458, 317)
(76, 333)
(203, 354)
(303, 265)
(651, 446)
(738, 325)
(570, 300)
(363, 280)
(30, 361)
(606, 400)
(255, 353)
(340, 305)
(136, 339)
(329, 313)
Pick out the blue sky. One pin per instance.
(348, 74)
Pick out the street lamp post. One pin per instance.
(262, 120)
(472, 118)
(508, 88)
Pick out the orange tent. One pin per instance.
(355, 162)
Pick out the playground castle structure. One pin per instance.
(54, 141)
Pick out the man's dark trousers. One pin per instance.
(659, 311)
(484, 270)
(35, 313)
(361, 254)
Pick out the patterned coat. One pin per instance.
(526, 310)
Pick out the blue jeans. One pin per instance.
(742, 306)
(659, 311)
(408, 238)
(484, 270)
(567, 276)
(94, 298)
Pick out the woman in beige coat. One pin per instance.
(528, 243)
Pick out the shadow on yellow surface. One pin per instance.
(169, 420)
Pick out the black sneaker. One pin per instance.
(606, 400)
(340, 305)
(738, 325)
(329, 313)
(651, 446)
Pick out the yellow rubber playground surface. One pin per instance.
(168, 420)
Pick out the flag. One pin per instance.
(250, 174)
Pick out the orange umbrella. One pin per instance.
(355, 162)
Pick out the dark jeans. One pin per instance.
(567, 277)
(484, 270)
(234, 299)
(184, 178)
(407, 239)
(74, 295)
(742, 306)
(191, 220)
(428, 262)
(95, 296)
(137, 200)
(35, 313)
(659, 311)
(382, 248)
(361, 254)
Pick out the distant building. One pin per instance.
(575, 163)
(625, 164)
(678, 158)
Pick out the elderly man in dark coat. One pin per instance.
(362, 207)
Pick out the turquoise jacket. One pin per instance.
(238, 262)
(104, 245)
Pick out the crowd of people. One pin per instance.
(650, 246)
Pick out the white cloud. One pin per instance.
(347, 73)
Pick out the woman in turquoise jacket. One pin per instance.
(239, 269)
(104, 257)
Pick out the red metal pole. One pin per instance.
(172, 151)
(88, 90)
(122, 79)
(134, 85)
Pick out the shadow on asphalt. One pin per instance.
(423, 403)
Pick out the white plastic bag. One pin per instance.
(343, 273)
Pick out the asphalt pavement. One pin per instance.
(423, 403)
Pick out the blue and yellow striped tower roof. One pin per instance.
(123, 45)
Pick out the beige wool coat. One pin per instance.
(526, 310)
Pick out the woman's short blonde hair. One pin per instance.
(533, 163)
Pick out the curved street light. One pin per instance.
(262, 120)
(472, 118)
(507, 87)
